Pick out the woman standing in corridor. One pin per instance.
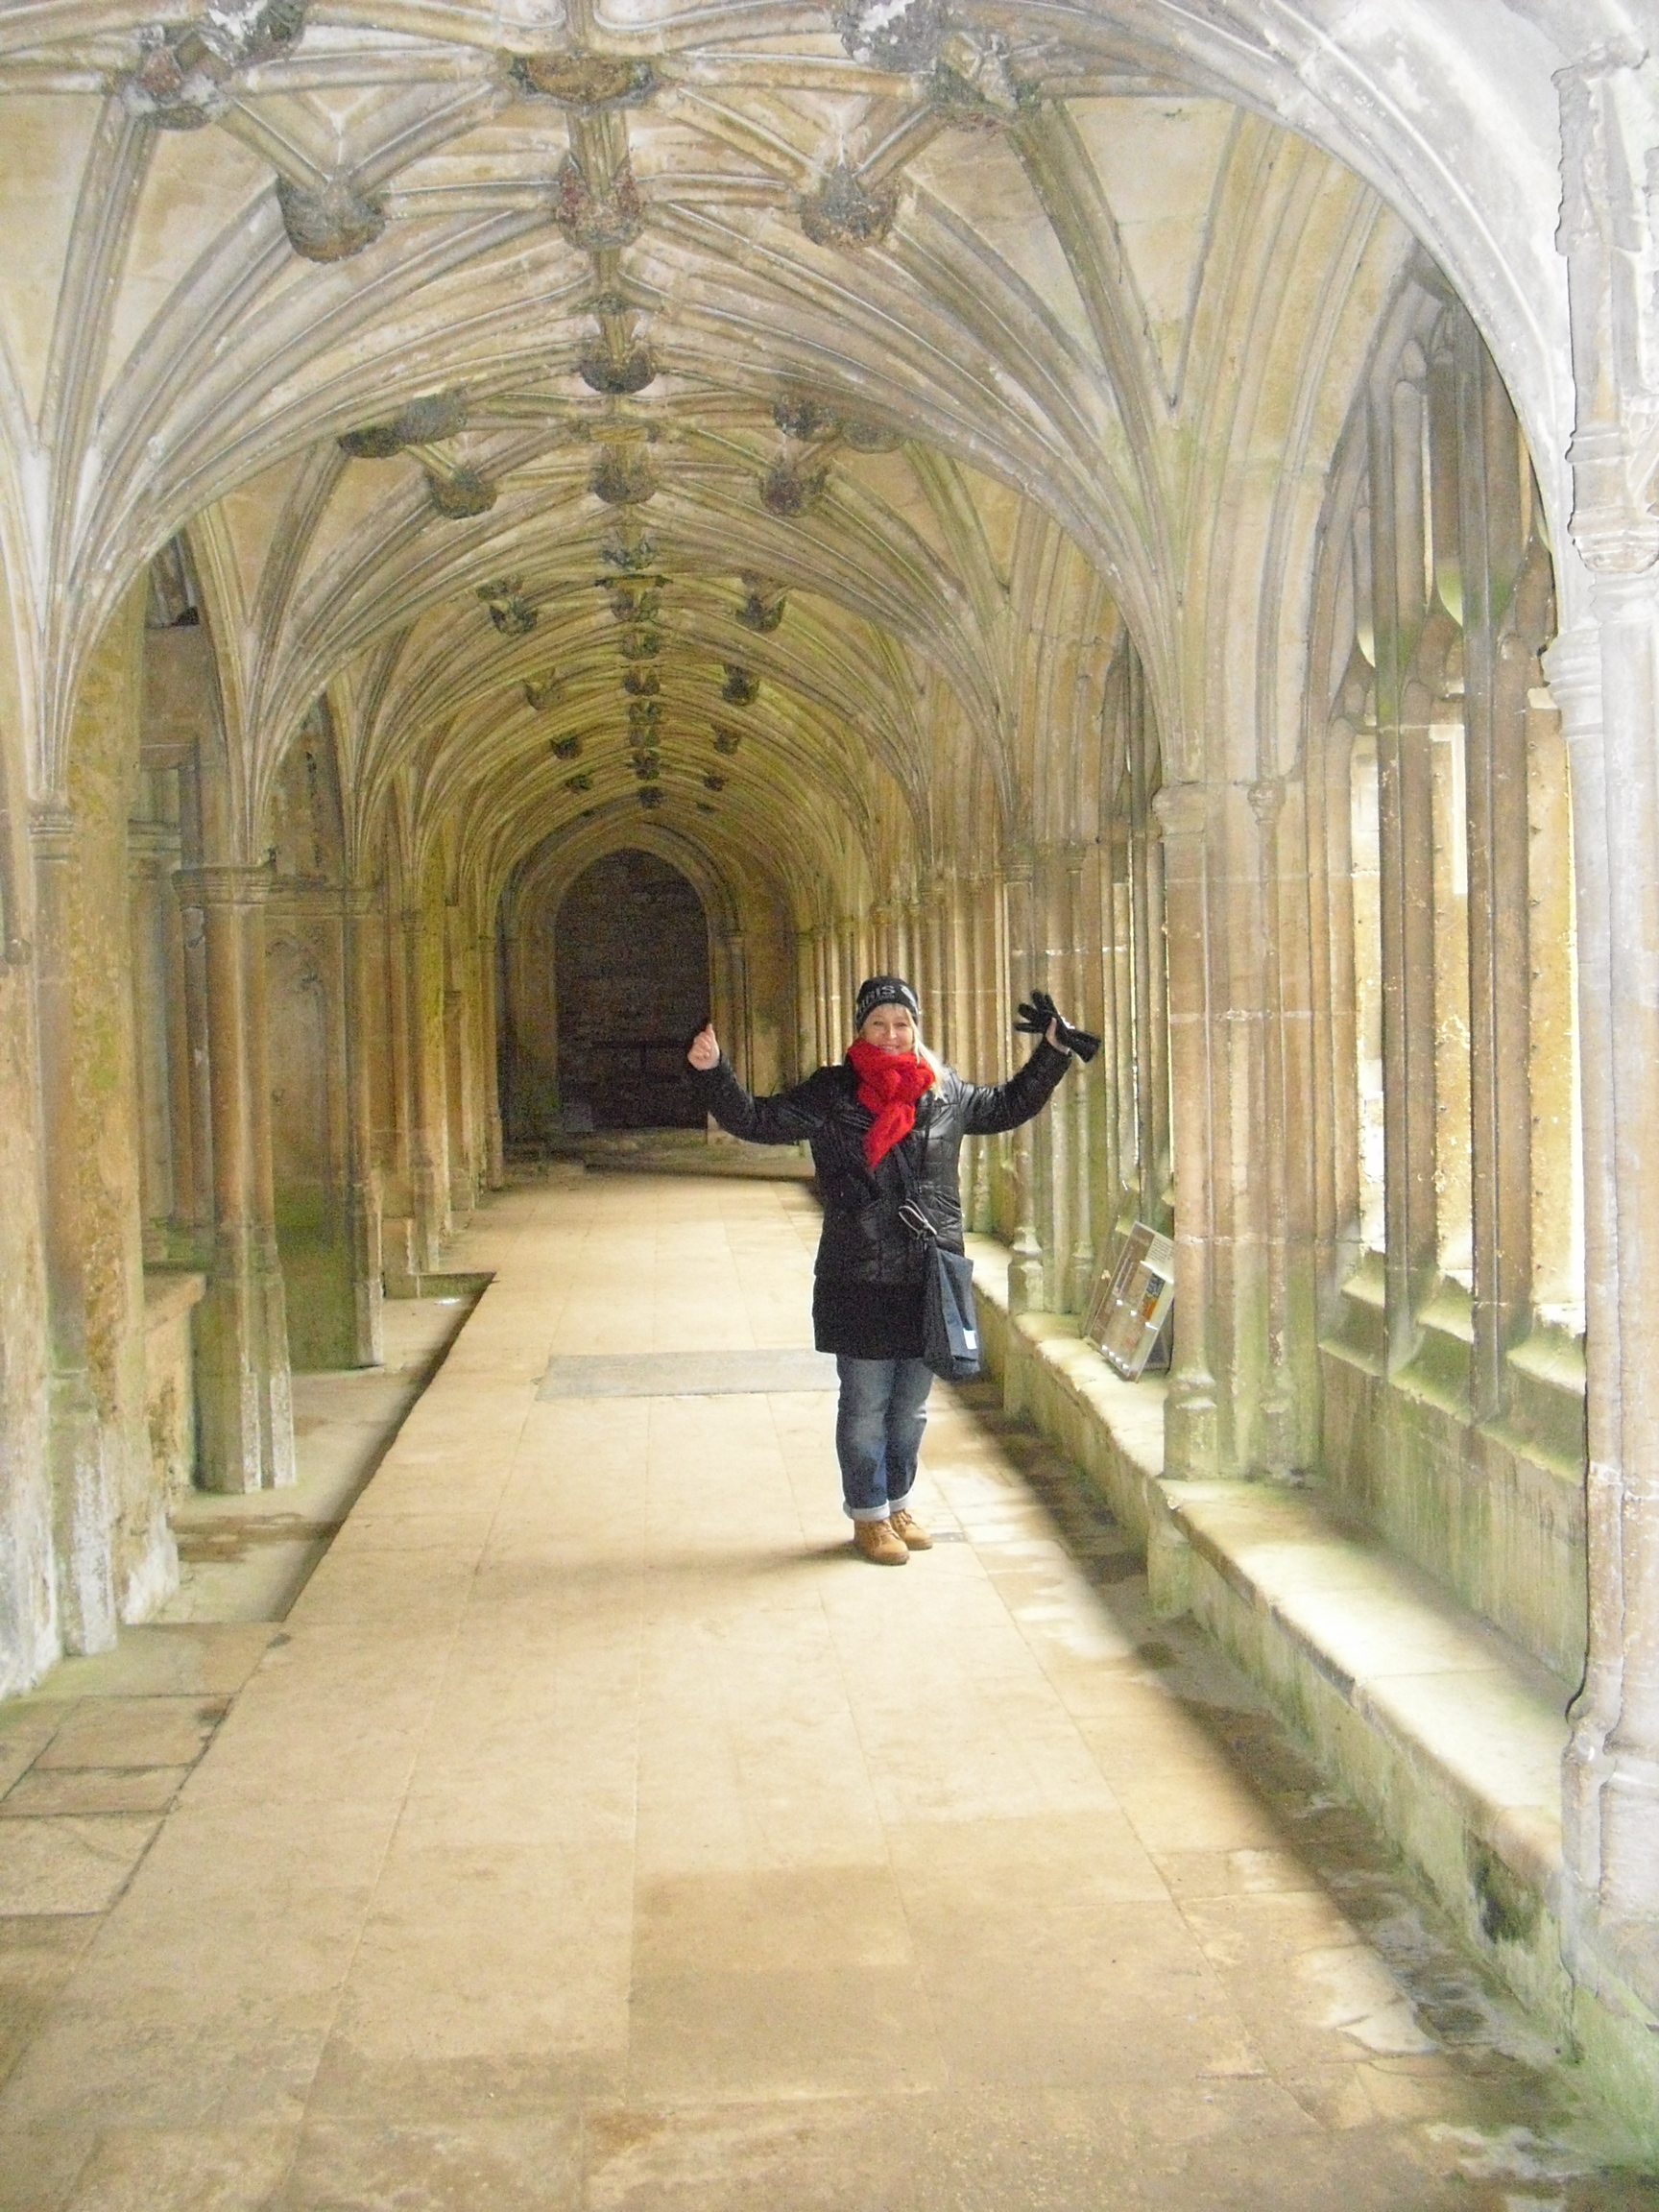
(888, 1107)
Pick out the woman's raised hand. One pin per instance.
(705, 1051)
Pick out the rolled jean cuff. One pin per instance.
(866, 1512)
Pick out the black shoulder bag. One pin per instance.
(949, 1321)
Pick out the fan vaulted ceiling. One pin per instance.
(744, 414)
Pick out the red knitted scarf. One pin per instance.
(889, 1085)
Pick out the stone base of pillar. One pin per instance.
(399, 1271)
(363, 1235)
(83, 1513)
(1026, 1289)
(244, 1398)
(1191, 1448)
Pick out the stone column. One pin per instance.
(1283, 1122)
(427, 1207)
(846, 964)
(1607, 231)
(933, 1004)
(490, 1055)
(243, 1392)
(1191, 1429)
(1627, 606)
(362, 1176)
(1077, 1100)
(880, 939)
(1574, 663)
(152, 856)
(980, 956)
(808, 1053)
(742, 1020)
(83, 1503)
(1050, 1152)
(1026, 1284)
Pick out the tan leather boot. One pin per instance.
(909, 1531)
(877, 1542)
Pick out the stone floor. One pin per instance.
(597, 1832)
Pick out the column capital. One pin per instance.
(153, 847)
(1184, 809)
(53, 831)
(1266, 798)
(1573, 666)
(244, 886)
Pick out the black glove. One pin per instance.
(1039, 1010)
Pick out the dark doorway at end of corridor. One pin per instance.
(631, 985)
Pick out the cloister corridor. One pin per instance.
(533, 531)
(597, 1832)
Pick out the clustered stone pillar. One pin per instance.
(243, 1391)
(1191, 1442)
(83, 1499)
(362, 1176)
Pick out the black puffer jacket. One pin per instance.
(863, 1239)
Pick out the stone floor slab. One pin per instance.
(600, 1835)
(113, 1732)
(75, 1866)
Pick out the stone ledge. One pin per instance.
(1449, 1735)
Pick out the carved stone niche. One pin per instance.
(740, 689)
(787, 492)
(589, 82)
(598, 222)
(622, 479)
(329, 225)
(509, 611)
(617, 375)
(459, 494)
(844, 211)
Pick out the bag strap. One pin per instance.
(913, 1214)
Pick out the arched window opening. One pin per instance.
(1458, 866)
(1134, 957)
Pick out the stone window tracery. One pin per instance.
(1449, 842)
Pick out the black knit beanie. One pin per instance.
(884, 990)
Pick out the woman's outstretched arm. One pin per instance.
(783, 1120)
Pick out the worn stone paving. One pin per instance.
(598, 1833)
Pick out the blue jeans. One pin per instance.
(878, 1424)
